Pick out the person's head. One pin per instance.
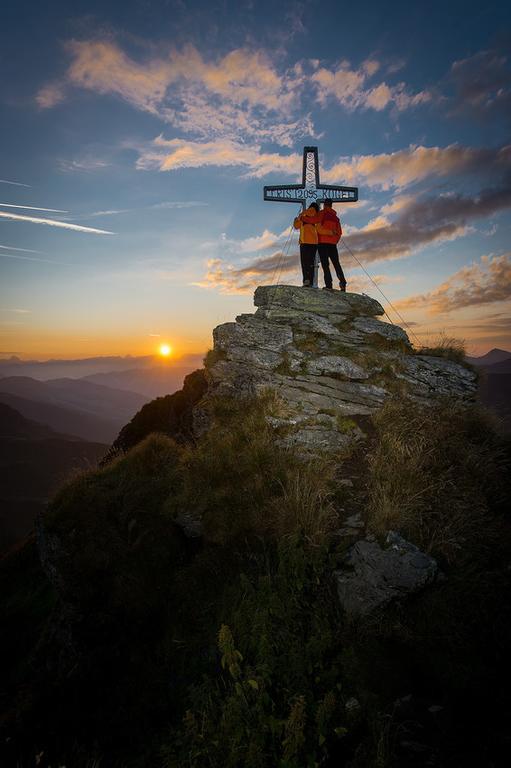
(327, 204)
(315, 206)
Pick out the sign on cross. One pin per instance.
(310, 191)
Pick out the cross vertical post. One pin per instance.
(310, 191)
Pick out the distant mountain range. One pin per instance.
(34, 460)
(492, 357)
(149, 382)
(78, 369)
(495, 384)
(73, 406)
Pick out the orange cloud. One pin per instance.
(477, 284)
(350, 88)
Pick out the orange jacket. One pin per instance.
(306, 223)
(329, 227)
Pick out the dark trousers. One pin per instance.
(328, 253)
(307, 256)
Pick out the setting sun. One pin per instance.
(165, 350)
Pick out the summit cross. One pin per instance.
(310, 190)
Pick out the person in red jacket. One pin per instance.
(329, 233)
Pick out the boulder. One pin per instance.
(378, 575)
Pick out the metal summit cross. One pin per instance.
(310, 191)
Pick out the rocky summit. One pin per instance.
(331, 361)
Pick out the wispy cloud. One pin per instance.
(14, 183)
(53, 223)
(356, 88)
(172, 154)
(165, 205)
(18, 257)
(31, 208)
(85, 164)
(16, 311)
(244, 95)
(234, 95)
(12, 248)
(481, 283)
(481, 85)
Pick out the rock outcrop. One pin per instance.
(329, 358)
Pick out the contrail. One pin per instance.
(15, 183)
(30, 258)
(32, 208)
(53, 223)
(12, 248)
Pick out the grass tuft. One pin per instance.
(435, 473)
(445, 346)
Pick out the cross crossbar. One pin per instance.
(310, 190)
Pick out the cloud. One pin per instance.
(481, 84)
(17, 257)
(31, 208)
(14, 183)
(12, 248)
(17, 311)
(242, 95)
(86, 164)
(173, 154)
(165, 205)
(416, 163)
(350, 88)
(425, 221)
(53, 223)
(51, 95)
(239, 94)
(478, 284)
(270, 270)
(229, 279)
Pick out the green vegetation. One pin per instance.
(231, 650)
(345, 425)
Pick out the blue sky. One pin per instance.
(153, 127)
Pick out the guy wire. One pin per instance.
(380, 290)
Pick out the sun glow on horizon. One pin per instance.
(165, 350)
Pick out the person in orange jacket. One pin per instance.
(329, 233)
(306, 223)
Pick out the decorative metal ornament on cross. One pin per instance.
(310, 191)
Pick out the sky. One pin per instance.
(136, 138)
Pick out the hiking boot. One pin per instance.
(342, 287)
(306, 284)
(328, 288)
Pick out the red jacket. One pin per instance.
(329, 227)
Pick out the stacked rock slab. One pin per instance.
(329, 359)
